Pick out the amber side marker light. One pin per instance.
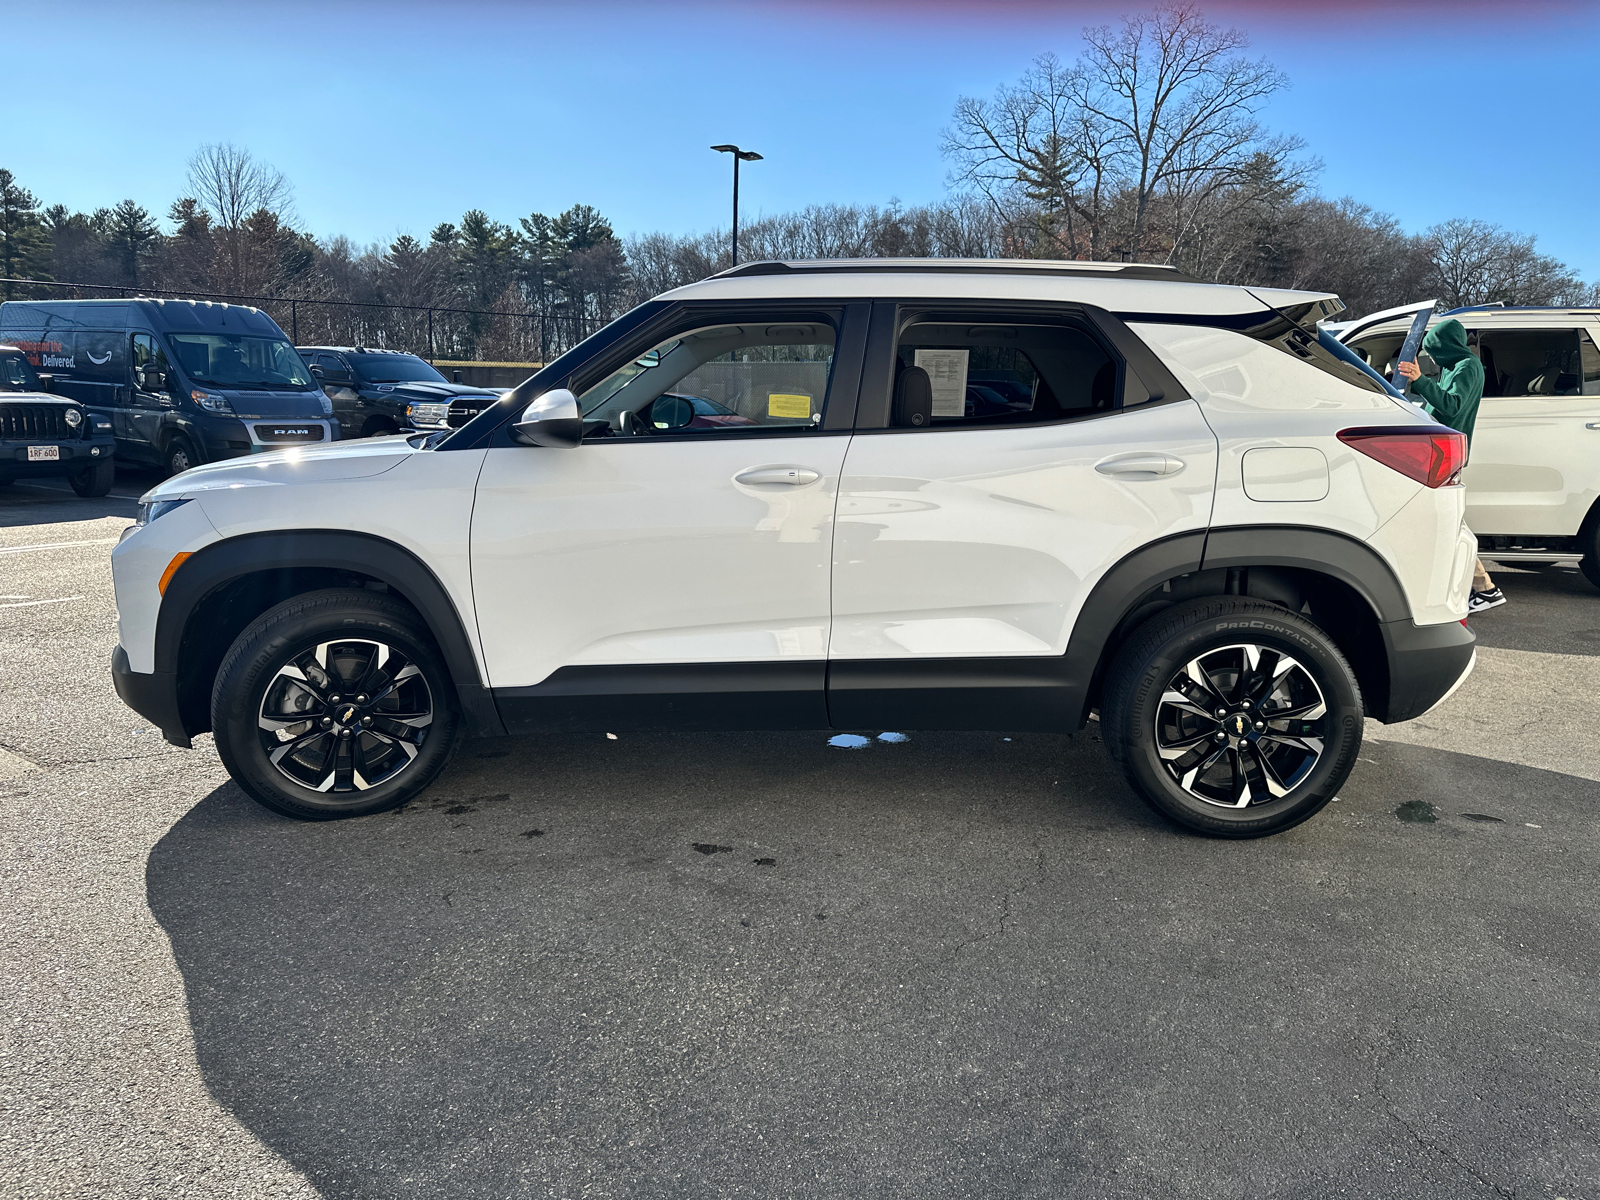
(172, 569)
(1432, 455)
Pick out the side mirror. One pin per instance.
(551, 420)
(152, 380)
(47, 383)
(671, 412)
(317, 371)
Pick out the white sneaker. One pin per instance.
(1483, 601)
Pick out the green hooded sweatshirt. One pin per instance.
(1453, 400)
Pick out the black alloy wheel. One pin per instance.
(333, 704)
(345, 716)
(1233, 717)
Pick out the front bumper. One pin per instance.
(154, 697)
(1426, 663)
(75, 454)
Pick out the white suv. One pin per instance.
(914, 494)
(1533, 485)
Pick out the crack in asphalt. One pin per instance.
(1380, 1061)
(1005, 905)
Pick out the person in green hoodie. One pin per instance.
(1453, 400)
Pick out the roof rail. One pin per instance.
(1502, 306)
(962, 266)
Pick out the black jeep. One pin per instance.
(375, 392)
(41, 434)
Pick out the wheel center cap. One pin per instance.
(1238, 724)
(347, 715)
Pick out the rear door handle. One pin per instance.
(1140, 465)
(796, 476)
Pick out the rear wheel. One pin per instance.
(334, 704)
(378, 427)
(96, 480)
(1233, 717)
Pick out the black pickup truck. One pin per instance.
(41, 434)
(375, 392)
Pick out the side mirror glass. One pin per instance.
(551, 420)
(671, 412)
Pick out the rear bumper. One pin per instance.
(1426, 663)
(154, 697)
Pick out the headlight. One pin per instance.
(157, 509)
(74, 417)
(427, 414)
(211, 402)
(327, 404)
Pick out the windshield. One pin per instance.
(237, 360)
(393, 368)
(17, 373)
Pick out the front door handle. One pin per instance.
(1593, 425)
(796, 476)
(1140, 465)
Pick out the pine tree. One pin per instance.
(24, 243)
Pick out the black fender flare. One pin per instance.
(403, 572)
(1409, 688)
(1321, 550)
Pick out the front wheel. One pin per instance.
(1590, 563)
(95, 480)
(1233, 717)
(334, 704)
(180, 456)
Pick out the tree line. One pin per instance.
(1146, 148)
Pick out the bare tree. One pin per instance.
(1475, 262)
(233, 188)
(1161, 109)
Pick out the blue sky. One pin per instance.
(390, 118)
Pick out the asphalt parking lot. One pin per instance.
(759, 965)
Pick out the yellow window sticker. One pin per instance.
(785, 404)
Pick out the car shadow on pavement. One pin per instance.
(757, 965)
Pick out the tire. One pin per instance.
(1590, 563)
(351, 755)
(180, 456)
(96, 481)
(1220, 652)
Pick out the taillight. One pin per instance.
(1429, 454)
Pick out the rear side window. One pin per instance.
(1531, 362)
(1590, 353)
(1003, 373)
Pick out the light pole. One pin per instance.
(746, 156)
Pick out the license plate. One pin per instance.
(44, 453)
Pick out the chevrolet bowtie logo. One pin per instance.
(347, 716)
(1239, 724)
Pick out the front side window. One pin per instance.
(1529, 362)
(16, 373)
(1005, 374)
(393, 368)
(239, 360)
(149, 362)
(756, 378)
